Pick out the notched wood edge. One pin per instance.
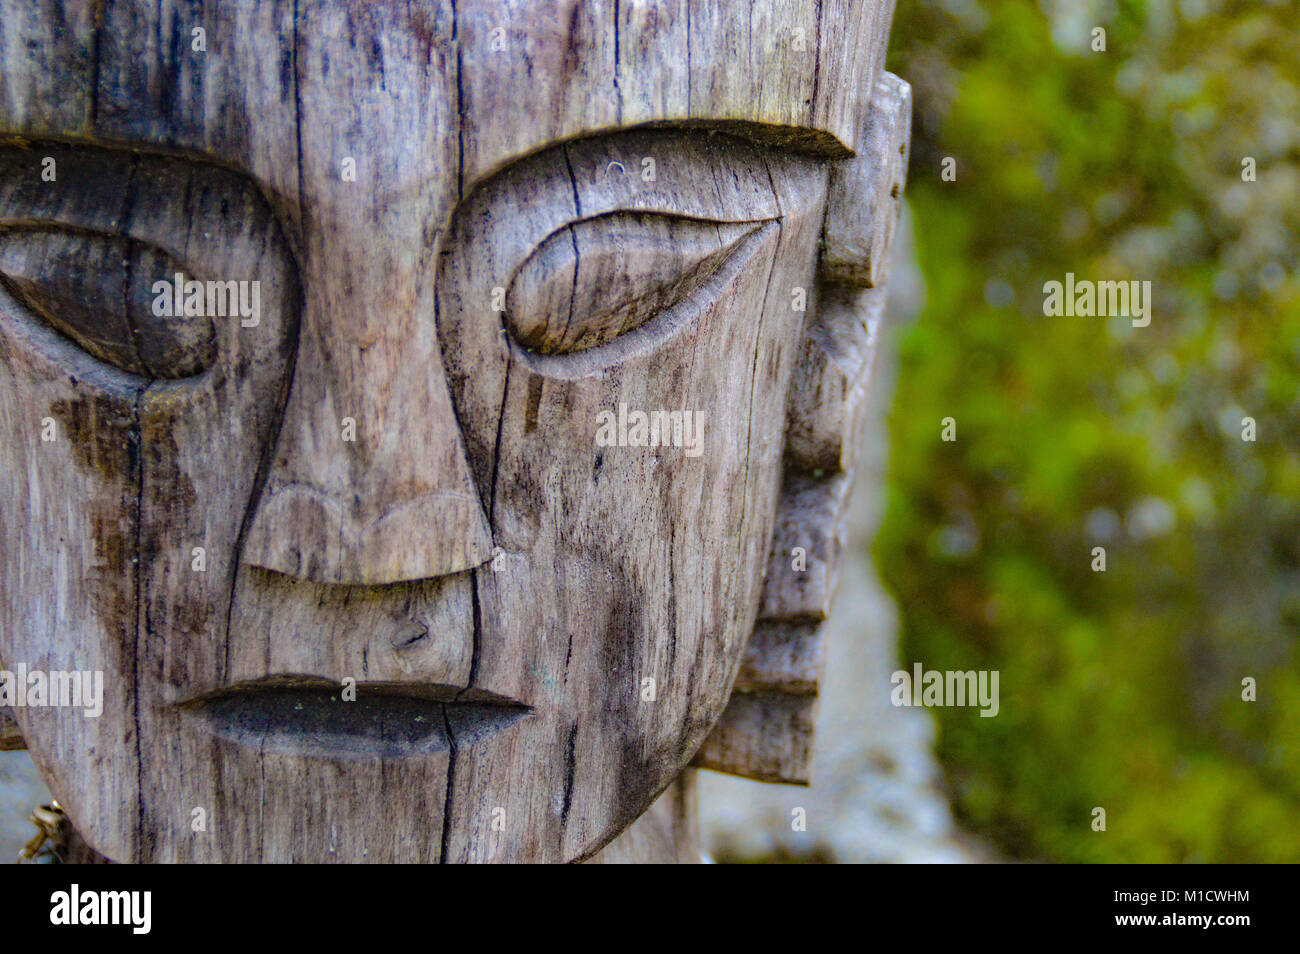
(765, 736)
(865, 191)
(766, 732)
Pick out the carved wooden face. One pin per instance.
(451, 547)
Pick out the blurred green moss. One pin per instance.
(1119, 689)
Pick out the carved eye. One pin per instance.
(97, 291)
(597, 279)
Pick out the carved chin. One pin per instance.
(408, 771)
(390, 724)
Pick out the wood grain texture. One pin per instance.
(767, 731)
(131, 461)
(377, 96)
(47, 67)
(827, 399)
(667, 833)
(477, 228)
(796, 73)
(554, 494)
(866, 190)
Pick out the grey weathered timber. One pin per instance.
(768, 728)
(521, 490)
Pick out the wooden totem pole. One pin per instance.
(429, 421)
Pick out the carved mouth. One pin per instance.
(300, 715)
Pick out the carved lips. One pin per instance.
(306, 716)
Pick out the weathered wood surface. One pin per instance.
(464, 259)
(768, 729)
(862, 209)
(668, 832)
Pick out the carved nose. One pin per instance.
(369, 483)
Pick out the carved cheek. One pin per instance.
(630, 574)
(122, 562)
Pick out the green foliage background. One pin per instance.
(1119, 689)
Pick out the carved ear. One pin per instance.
(766, 731)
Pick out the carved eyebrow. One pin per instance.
(715, 177)
(796, 141)
(89, 195)
(176, 203)
(658, 169)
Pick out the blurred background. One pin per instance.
(1119, 689)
